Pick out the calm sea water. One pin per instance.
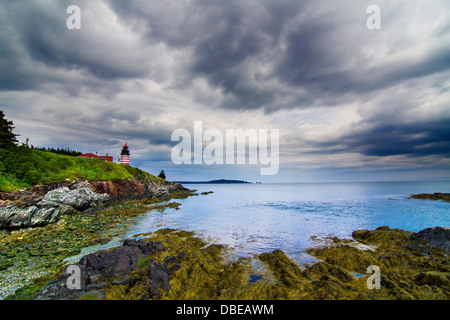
(256, 218)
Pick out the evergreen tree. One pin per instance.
(66, 151)
(162, 175)
(8, 139)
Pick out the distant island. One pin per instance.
(434, 196)
(221, 181)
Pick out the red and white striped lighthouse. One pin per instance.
(125, 155)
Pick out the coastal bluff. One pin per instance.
(44, 204)
(123, 189)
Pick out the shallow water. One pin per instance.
(256, 218)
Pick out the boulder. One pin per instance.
(13, 217)
(434, 237)
(49, 210)
(80, 199)
(44, 216)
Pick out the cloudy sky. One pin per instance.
(350, 103)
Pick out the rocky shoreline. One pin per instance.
(42, 205)
(34, 245)
(174, 264)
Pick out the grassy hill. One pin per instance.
(22, 168)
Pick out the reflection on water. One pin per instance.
(256, 218)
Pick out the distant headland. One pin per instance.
(434, 196)
(221, 181)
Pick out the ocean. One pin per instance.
(256, 218)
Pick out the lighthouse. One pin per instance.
(125, 155)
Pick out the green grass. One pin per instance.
(22, 168)
(142, 175)
(8, 183)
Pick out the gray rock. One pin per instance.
(80, 199)
(63, 208)
(47, 204)
(51, 207)
(45, 216)
(435, 237)
(106, 268)
(79, 184)
(57, 195)
(12, 217)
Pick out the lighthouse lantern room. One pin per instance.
(125, 155)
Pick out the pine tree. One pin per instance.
(8, 139)
(162, 175)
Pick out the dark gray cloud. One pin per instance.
(380, 140)
(249, 50)
(37, 47)
(139, 69)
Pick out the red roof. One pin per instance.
(94, 156)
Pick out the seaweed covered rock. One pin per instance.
(110, 267)
(288, 272)
(381, 235)
(321, 268)
(344, 256)
(434, 278)
(412, 265)
(175, 264)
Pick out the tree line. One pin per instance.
(66, 151)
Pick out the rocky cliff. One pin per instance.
(42, 205)
(136, 188)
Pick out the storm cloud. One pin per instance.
(137, 70)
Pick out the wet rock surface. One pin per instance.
(174, 264)
(98, 271)
(412, 265)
